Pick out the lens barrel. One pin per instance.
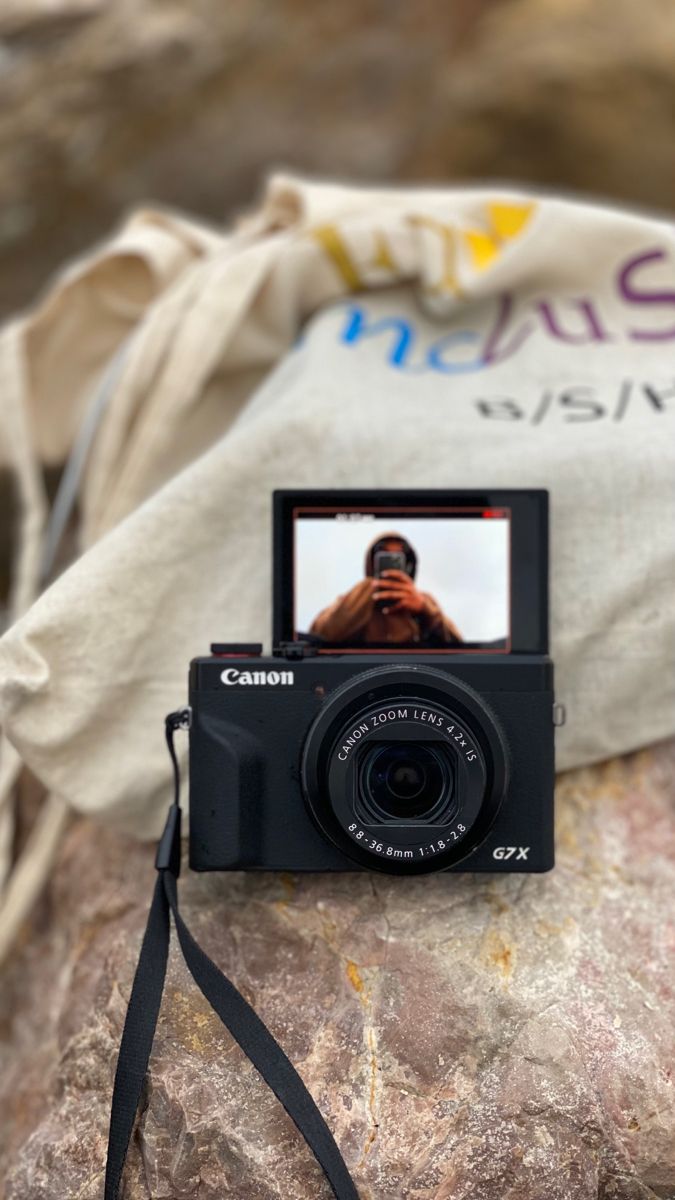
(404, 769)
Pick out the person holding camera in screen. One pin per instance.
(385, 608)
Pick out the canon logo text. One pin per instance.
(232, 677)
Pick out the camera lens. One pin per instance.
(404, 780)
(404, 769)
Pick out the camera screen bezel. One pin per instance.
(528, 557)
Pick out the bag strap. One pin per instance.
(234, 1011)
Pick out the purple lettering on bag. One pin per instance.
(635, 295)
(591, 331)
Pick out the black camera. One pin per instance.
(405, 719)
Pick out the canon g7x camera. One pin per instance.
(405, 720)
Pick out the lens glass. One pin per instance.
(405, 781)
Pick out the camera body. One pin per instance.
(407, 739)
(252, 771)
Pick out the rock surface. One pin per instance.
(109, 103)
(492, 1038)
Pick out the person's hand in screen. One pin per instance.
(397, 592)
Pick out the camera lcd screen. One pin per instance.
(402, 579)
(424, 571)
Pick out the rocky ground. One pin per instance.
(492, 1038)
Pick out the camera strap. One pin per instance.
(234, 1011)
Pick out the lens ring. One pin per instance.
(441, 709)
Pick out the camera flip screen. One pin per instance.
(426, 570)
(402, 578)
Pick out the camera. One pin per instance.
(405, 719)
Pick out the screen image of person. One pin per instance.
(385, 606)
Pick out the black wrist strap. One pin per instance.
(236, 1014)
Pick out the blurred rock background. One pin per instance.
(105, 104)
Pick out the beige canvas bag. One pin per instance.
(342, 337)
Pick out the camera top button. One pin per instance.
(559, 714)
(236, 649)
